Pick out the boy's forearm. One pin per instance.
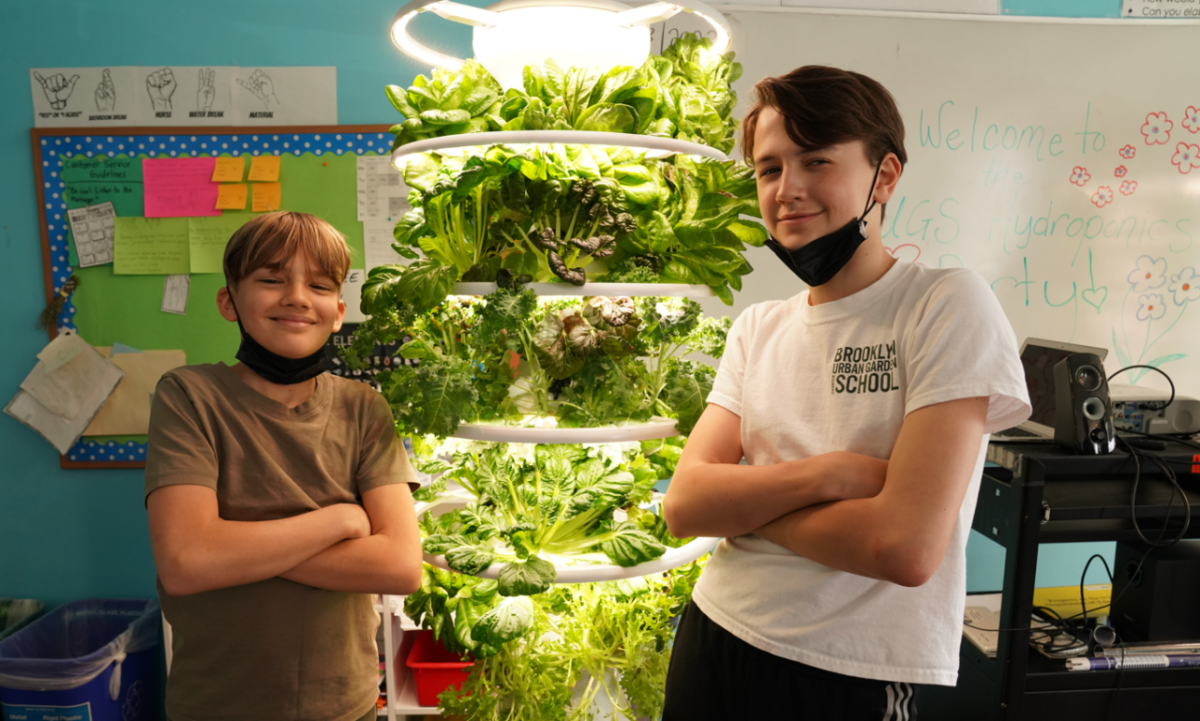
(849, 535)
(720, 500)
(232, 553)
(376, 564)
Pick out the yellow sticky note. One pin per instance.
(264, 168)
(231, 196)
(228, 170)
(267, 196)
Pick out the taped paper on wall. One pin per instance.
(127, 411)
(178, 96)
(378, 239)
(150, 246)
(378, 184)
(184, 95)
(352, 296)
(285, 96)
(92, 229)
(60, 404)
(175, 294)
(83, 97)
(179, 187)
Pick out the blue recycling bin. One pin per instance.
(90, 660)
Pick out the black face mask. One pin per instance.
(819, 261)
(274, 367)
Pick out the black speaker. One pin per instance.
(1082, 408)
(1157, 602)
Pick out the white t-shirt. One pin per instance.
(841, 376)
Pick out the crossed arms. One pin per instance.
(890, 520)
(373, 548)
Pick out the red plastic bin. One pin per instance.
(434, 668)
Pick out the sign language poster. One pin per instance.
(183, 96)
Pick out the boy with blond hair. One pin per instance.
(278, 498)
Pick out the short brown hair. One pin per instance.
(270, 240)
(823, 106)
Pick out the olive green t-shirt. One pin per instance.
(271, 649)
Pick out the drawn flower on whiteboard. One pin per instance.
(1128, 187)
(1128, 152)
(1149, 274)
(1157, 129)
(1191, 119)
(1186, 157)
(1120, 171)
(1102, 197)
(1151, 306)
(1185, 286)
(1080, 176)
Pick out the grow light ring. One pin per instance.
(661, 147)
(469, 15)
(596, 573)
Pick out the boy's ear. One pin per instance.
(889, 175)
(337, 324)
(225, 305)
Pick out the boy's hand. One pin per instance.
(851, 475)
(355, 520)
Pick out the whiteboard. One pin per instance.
(1058, 160)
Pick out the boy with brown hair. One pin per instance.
(862, 407)
(278, 498)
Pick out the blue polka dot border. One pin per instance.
(54, 149)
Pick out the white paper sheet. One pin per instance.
(185, 95)
(285, 96)
(378, 238)
(175, 294)
(178, 95)
(84, 97)
(65, 390)
(78, 388)
(352, 295)
(92, 228)
(381, 189)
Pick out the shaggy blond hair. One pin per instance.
(272, 239)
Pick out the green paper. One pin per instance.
(208, 236)
(90, 181)
(150, 246)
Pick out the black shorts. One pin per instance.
(716, 675)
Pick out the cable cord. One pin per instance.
(1156, 369)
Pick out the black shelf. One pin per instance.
(1040, 493)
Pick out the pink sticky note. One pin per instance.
(179, 187)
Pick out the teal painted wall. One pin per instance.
(73, 534)
(1062, 8)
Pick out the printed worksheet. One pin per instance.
(92, 229)
(381, 189)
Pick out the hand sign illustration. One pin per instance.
(208, 90)
(106, 93)
(57, 88)
(161, 86)
(260, 84)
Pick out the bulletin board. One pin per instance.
(318, 176)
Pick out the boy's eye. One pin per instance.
(767, 171)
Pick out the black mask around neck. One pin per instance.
(819, 261)
(274, 367)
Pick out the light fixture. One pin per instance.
(512, 34)
(544, 140)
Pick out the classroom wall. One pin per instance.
(66, 535)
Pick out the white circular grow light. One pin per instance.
(512, 34)
(649, 431)
(476, 143)
(598, 572)
(608, 290)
